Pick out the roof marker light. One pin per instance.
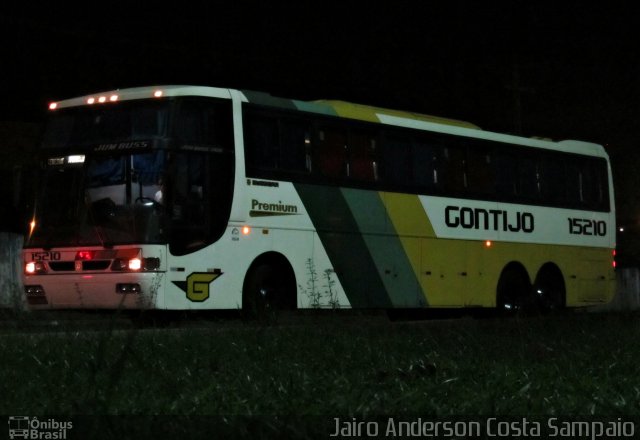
(113, 98)
(91, 100)
(102, 99)
(158, 93)
(53, 106)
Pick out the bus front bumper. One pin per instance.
(94, 291)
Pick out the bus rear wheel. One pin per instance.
(549, 290)
(514, 296)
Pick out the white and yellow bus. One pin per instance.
(185, 197)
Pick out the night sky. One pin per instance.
(556, 69)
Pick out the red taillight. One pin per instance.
(613, 255)
(85, 255)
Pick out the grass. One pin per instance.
(577, 365)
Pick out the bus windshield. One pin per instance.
(100, 200)
(117, 174)
(104, 125)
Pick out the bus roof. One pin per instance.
(418, 121)
(335, 108)
(347, 109)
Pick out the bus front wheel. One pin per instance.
(267, 290)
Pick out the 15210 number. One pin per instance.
(45, 256)
(585, 226)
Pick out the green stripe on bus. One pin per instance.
(347, 250)
(386, 249)
(320, 108)
(262, 98)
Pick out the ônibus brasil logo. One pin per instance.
(32, 428)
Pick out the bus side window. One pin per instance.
(200, 200)
(602, 189)
(552, 180)
(396, 161)
(454, 178)
(331, 152)
(187, 214)
(479, 170)
(506, 175)
(425, 165)
(527, 187)
(573, 184)
(205, 123)
(261, 141)
(362, 156)
(295, 142)
(594, 184)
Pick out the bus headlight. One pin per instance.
(135, 264)
(34, 267)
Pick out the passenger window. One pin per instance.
(527, 187)
(331, 152)
(295, 146)
(552, 180)
(426, 159)
(454, 179)
(362, 157)
(261, 140)
(573, 183)
(396, 159)
(479, 170)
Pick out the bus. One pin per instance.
(192, 197)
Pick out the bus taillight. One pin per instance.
(85, 255)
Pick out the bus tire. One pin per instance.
(549, 289)
(268, 289)
(513, 296)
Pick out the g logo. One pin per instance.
(198, 285)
